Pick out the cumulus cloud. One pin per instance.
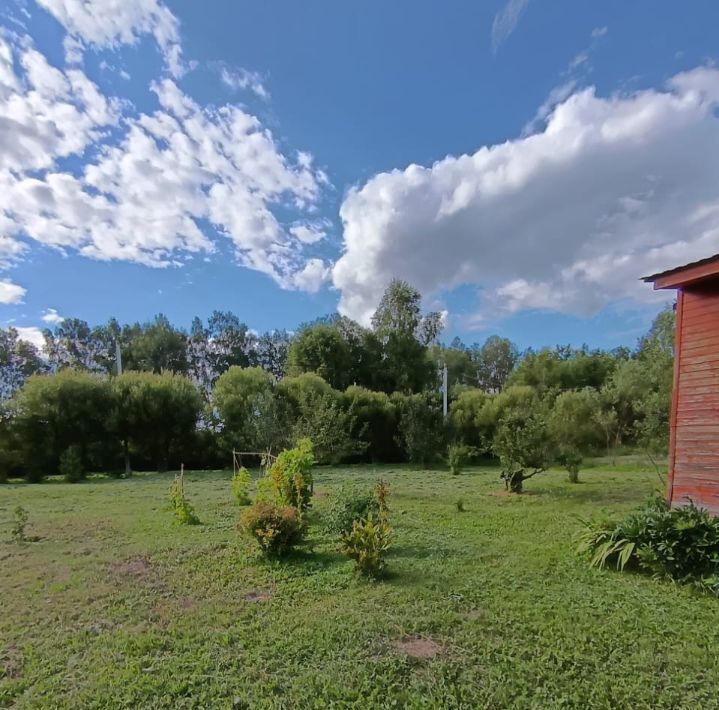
(506, 21)
(10, 292)
(32, 335)
(565, 219)
(106, 24)
(310, 232)
(312, 277)
(244, 79)
(52, 317)
(147, 196)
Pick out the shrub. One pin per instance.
(367, 544)
(421, 427)
(183, 509)
(71, 466)
(571, 459)
(522, 445)
(291, 476)
(275, 528)
(677, 543)
(241, 481)
(20, 518)
(457, 457)
(460, 505)
(328, 425)
(350, 504)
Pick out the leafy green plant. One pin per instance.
(183, 509)
(291, 476)
(20, 518)
(523, 447)
(241, 482)
(367, 544)
(71, 466)
(677, 543)
(351, 503)
(457, 457)
(276, 528)
(460, 505)
(571, 458)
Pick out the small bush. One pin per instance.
(71, 466)
(241, 482)
(276, 529)
(457, 457)
(291, 476)
(183, 509)
(460, 505)
(20, 518)
(571, 459)
(367, 544)
(677, 543)
(351, 503)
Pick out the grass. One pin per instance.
(117, 606)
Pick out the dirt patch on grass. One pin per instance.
(417, 647)
(258, 595)
(138, 567)
(11, 663)
(475, 614)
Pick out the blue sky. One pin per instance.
(523, 163)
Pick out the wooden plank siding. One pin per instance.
(694, 441)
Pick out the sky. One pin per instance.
(521, 163)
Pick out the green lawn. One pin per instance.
(116, 606)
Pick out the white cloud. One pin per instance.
(52, 317)
(10, 292)
(598, 32)
(244, 79)
(106, 24)
(566, 219)
(33, 335)
(147, 196)
(310, 232)
(312, 277)
(506, 21)
(45, 113)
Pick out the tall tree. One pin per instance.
(73, 343)
(404, 334)
(18, 360)
(270, 352)
(154, 347)
(322, 349)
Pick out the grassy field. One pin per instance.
(116, 606)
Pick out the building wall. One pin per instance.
(694, 444)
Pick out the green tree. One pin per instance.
(494, 362)
(523, 446)
(421, 429)
(323, 350)
(374, 423)
(573, 427)
(471, 418)
(405, 334)
(155, 415)
(154, 347)
(241, 397)
(54, 412)
(18, 360)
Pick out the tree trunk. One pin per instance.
(126, 451)
(516, 482)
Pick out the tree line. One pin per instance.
(360, 394)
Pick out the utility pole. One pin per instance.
(118, 358)
(444, 390)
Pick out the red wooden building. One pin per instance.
(694, 434)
